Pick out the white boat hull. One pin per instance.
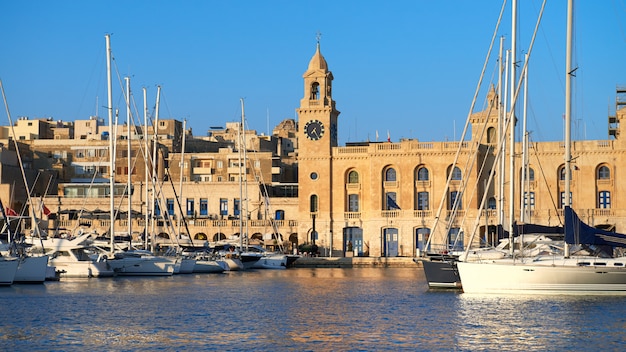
(31, 270)
(596, 276)
(141, 266)
(231, 264)
(8, 268)
(187, 265)
(81, 269)
(207, 266)
(274, 261)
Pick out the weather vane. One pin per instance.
(318, 36)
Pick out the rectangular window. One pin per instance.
(157, 209)
(204, 206)
(604, 200)
(391, 201)
(562, 203)
(223, 206)
(190, 207)
(353, 202)
(453, 199)
(422, 201)
(236, 207)
(529, 200)
(170, 206)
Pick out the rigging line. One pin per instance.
(478, 85)
(19, 157)
(91, 184)
(545, 179)
(511, 114)
(96, 68)
(180, 209)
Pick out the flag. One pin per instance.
(11, 212)
(388, 136)
(45, 209)
(376, 135)
(391, 204)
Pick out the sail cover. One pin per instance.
(521, 229)
(577, 232)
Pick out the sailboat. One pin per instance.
(132, 262)
(439, 261)
(30, 268)
(570, 272)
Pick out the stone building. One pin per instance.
(386, 198)
(360, 199)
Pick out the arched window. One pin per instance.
(353, 177)
(422, 174)
(531, 174)
(279, 215)
(604, 173)
(313, 203)
(562, 173)
(491, 135)
(315, 91)
(491, 203)
(390, 174)
(456, 174)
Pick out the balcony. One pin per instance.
(203, 171)
(350, 215)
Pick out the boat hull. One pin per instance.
(272, 261)
(142, 266)
(441, 273)
(595, 276)
(8, 268)
(187, 265)
(32, 270)
(207, 266)
(82, 269)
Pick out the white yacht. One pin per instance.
(72, 258)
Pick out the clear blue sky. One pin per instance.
(407, 67)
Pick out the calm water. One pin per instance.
(299, 310)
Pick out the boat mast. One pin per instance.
(568, 112)
(111, 143)
(180, 181)
(155, 125)
(149, 207)
(128, 164)
(524, 194)
(513, 83)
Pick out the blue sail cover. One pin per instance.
(521, 229)
(577, 232)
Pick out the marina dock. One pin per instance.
(354, 262)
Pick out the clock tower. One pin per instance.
(317, 135)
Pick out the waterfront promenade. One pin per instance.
(355, 262)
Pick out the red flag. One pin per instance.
(45, 209)
(10, 212)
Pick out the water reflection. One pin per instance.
(297, 309)
(538, 323)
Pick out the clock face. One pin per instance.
(314, 130)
